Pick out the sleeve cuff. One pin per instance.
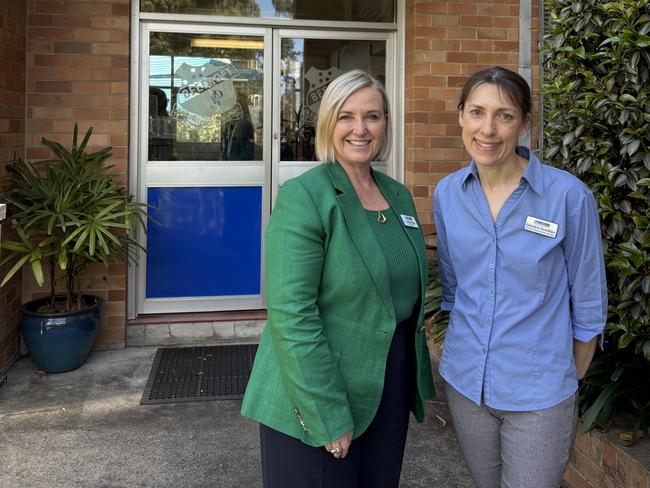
(585, 335)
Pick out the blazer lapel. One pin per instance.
(362, 234)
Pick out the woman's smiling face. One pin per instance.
(360, 127)
(491, 126)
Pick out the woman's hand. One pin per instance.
(339, 447)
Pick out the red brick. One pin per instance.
(40, 20)
(120, 62)
(90, 61)
(574, 479)
(445, 20)
(591, 471)
(91, 87)
(422, 20)
(121, 10)
(51, 60)
(109, 74)
(110, 100)
(431, 33)
(71, 21)
(498, 34)
(462, 8)
(92, 8)
(461, 33)
(476, 21)
(110, 22)
(110, 48)
(73, 74)
(91, 35)
(461, 57)
(53, 7)
(49, 33)
(431, 8)
(121, 36)
(53, 86)
(87, 113)
(508, 22)
(493, 10)
(507, 46)
(119, 87)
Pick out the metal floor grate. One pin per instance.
(191, 374)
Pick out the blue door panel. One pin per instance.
(208, 243)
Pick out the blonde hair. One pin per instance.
(333, 99)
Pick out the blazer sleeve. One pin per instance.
(295, 247)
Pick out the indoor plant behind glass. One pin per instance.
(66, 212)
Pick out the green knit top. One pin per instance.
(403, 268)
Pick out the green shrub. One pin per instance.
(596, 105)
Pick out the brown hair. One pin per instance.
(510, 82)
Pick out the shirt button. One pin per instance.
(483, 350)
(491, 294)
(491, 266)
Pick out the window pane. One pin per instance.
(307, 68)
(205, 97)
(350, 10)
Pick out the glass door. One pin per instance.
(204, 114)
(307, 61)
(226, 115)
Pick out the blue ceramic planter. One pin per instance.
(60, 342)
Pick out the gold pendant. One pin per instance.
(381, 218)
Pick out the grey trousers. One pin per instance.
(514, 449)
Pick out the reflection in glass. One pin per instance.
(350, 10)
(307, 68)
(205, 97)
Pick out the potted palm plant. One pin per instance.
(67, 213)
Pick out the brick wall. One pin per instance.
(445, 43)
(600, 460)
(12, 139)
(78, 71)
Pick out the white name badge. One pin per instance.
(541, 227)
(409, 221)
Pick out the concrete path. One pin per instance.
(87, 429)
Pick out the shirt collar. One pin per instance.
(533, 175)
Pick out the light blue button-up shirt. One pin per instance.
(518, 294)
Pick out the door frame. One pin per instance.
(273, 30)
(200, 173)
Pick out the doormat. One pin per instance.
(192, 374)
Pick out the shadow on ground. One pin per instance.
(87, 429)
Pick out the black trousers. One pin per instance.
(375, 457)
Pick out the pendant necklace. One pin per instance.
(381, 218)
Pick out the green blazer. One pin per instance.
(319, 368)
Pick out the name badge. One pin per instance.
(409, 221)
(541, 227)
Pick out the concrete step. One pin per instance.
(189, 333)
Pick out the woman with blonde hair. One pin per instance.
(343, 358)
